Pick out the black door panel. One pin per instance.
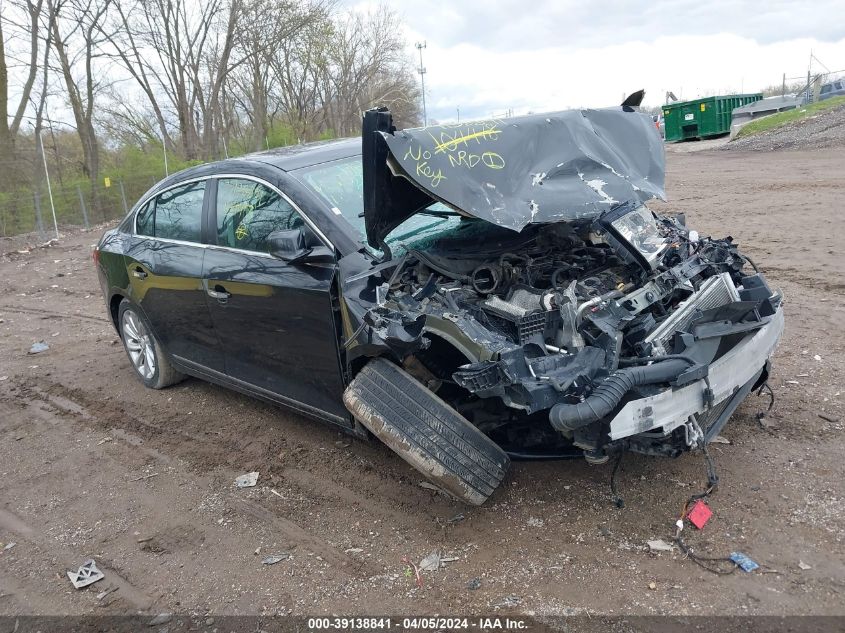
(164, 265)
(166, 281)
(275, 323)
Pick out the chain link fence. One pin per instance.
(80, 204)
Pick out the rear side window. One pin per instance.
(826, 88)
(175, 214)
(144, 218)
(247, 212)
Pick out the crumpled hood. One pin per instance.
(539, 168)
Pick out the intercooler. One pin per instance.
(715, 292)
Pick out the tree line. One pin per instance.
(197, 80)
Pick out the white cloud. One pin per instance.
(482, 81)
(486, 57)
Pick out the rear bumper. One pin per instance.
(731, 373)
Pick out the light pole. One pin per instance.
(164, 150)
(47, 173)
(420, 46)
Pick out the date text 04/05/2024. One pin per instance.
(425, 623)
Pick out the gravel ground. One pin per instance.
(92, 464)
(823, 130)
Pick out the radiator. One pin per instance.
(716, 291)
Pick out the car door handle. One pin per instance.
(220, 295)
(218, 292)
(139, 273)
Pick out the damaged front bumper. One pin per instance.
(708, 399)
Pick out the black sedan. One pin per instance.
(466, 294)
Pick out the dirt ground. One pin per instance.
(92, 464)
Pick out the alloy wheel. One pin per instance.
(139, 344)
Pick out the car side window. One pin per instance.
(178, 212)
(247, 212)
(144, 218)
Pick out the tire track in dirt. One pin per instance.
(106, 416)
(48, 314)
(11, 522)
(379, 489)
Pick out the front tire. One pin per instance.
(144, 350)
(426, 432)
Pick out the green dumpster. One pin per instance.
(702, 118)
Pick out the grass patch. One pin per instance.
(780, 119)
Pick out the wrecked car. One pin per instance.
(466, 293)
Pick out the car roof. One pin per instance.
(287, 158)
(294, 157)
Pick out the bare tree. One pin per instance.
(77, 48)
(258, 86)
(180, 54)
(127, 46)
(367, 50)
(29, 13)
(299, 66)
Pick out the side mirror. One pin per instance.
(291, 245)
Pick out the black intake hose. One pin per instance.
(605, 397)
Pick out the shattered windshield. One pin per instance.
(341, 184)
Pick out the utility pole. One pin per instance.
(459, 114)
(164, 150)
(47, 173)
(420, 46)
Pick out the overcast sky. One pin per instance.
(486, 56)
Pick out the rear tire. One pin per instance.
(143, 349)
(426, 432)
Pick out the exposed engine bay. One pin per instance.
(550, 322)
(527, 304)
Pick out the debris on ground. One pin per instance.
(720, 439)
(428, 486)
(143, 477)
(699, 514)
(509, 601)
(474, 584)
(38, 347)
(247, 480)
(804, 566)
(87, 574)
(353, 550)
(435, 561)
(103, 594)
(652, 585)
(9, 546)
(535, 522)
(659, 545)
(743, 562)
(457, 518)
(275, 558)
(161, 618)
(431, 562)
